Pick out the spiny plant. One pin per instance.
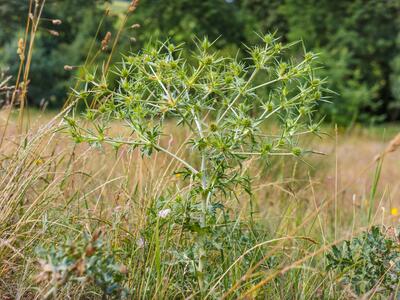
(88, 261)
(369, 262)
(228, 105)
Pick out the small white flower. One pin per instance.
(164, 213)
(140, 242)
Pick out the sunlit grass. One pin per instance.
(54, 191)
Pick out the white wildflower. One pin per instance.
(164, 213)
(140, 242)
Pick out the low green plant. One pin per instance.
(230, 109)
(368, 262)
(227, 244)
(85, 262)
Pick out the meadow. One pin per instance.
(54, 193)
(209, 177)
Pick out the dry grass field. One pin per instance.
(165, 177)
(53, 190)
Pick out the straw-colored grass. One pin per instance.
(52, 190)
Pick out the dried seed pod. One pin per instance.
(54, 33)
(105, 41)
(90, 250)
(56, 22)
(135, 26)
(134, 4)
(123, 269)
(80, 267)
(96, 234)
(68, 68)
(20, 50)
(394, 144)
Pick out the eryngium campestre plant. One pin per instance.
(226, 104)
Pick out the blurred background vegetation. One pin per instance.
(358, 42)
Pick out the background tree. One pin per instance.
(358, 42)
(12, 17)
(56, 45)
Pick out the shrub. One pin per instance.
(370, 261)
(86, 261)
(228, 106)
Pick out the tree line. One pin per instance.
(358, 42)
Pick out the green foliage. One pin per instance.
(357, 42)
(183, 20)
(48, 80)
(370, 261)
(217, 99)
(224, 244)
(12, 17)
(223, 102)
(87, 262)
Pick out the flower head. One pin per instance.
(394, 211)
(164, 213)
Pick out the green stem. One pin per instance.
(186, 164)
(374, 187)
(237, 96)
(202, 249)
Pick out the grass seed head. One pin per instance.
(20, 50)
(106, 41)
(68, 68)
(393, 145)
(134, 4)
(56, 22)
(54, 32)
